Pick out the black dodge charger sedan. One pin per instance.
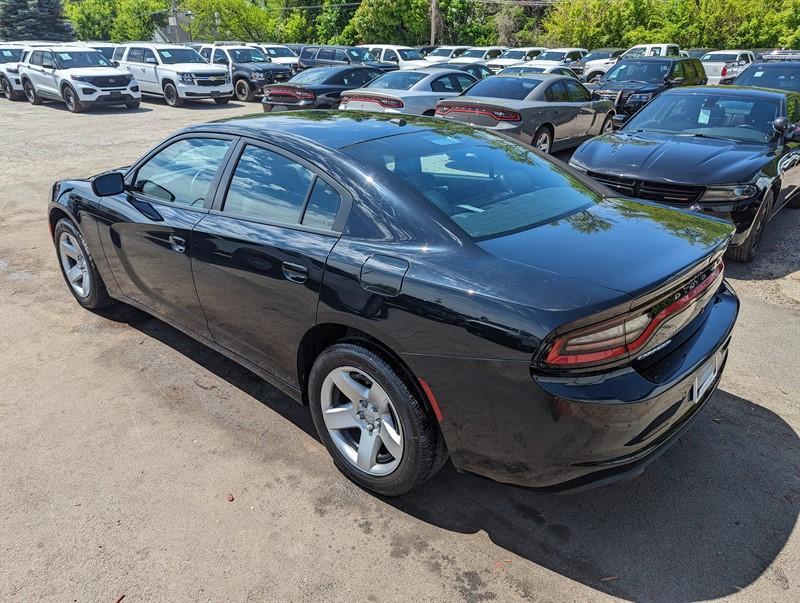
(729, 152)
(427, 288)
(316, 88)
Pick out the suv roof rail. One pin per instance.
(228, 43)
(781, 56)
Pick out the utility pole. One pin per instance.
(433, 22)
(173, 21)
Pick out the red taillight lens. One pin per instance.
(724, 70)
(622, 337)
(496, 114)
(298, 93)
(505, 115)
(442, 110)
(389, 103)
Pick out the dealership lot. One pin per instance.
(123, 442)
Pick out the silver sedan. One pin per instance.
(551, 112)
(407, 91)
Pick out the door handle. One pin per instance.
(178, 244)
(294, 272)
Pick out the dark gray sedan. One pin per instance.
(550, 112)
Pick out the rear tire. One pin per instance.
(71, 100)
(171, 95)
(543, 140)
(243, 91)
(222, 101)
(30, 93)
(8, 91)
(747, 250)
(406, 447)
(78, 267)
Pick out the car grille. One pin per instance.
(618, 97)
(675, 194)
(116, 81)
(210, 80)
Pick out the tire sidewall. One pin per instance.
(33, 98)
(539, 132)
(97, 297)
(404, 477)
(248, 95)
(76, 104)
(176, 101)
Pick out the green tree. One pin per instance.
(399, 21)
(136, 19)
(296, 28)
(233, 20)
(34, 20)
(331, 23)
(92, 19)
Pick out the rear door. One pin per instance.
(259, 255)
(48, 82)
(585, 114)
(146, 231)
(564, 113)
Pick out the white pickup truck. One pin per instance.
(722, 66)
(651, 50)
(176, 73)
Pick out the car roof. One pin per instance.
(388, 46)
(725, 51)
(314, 127)
(155, 45)
(64, 48)
(565, 49)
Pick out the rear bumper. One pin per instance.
(574, 433)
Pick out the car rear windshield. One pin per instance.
(485, 184)
(316, 75)
(10, 55)
(715, 57)
(175, 56)
(85, 58)
(504, 87)
(782, 77)
(724, 115)
(397, 80)
(647, 71)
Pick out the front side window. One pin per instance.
(206, 54)
(467, 177)
(516, 88)
(220, 58)
(463, 80)
(36, 58)
(148, 56)
(341, 56)
(557, 93)
(182, 173)
(390, 55)
(119, 51)
(268, 186)
(576, 92)
(444, 84)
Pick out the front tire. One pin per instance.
(543, 140)
(379, 433)
(8, 91)
(222, 101)
(133, 104)
(747, 250)
(30, 93)
(78, 267)
(71, 100)
(608, 125)
(171, 95)
(243, 91)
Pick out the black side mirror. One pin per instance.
(107, 185)
(781, 124)
(115, 63)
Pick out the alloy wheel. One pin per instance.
(608, 126)
(542, 142)
(69, 99)
(30, 94)
(74, 263)
(242, 90)
(362, 421)
(169, 95)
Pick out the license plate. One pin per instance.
(705, 378)
(116, 94)
(215, 93)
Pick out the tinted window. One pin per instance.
(654, 52)
(575, 55)
(643, 70)
(389, 55)
(672, 51)
(771, 76)
(106, 51)
(445, 83)
(219, 57)
(182, 172)
(206, 54)
(323, 205)
(398, 80)
(268, 186)
(577, 93)
(72, 60)
(463, 80)
(493, 187)
(721, 115)
(135, 55)
(148, 56)
(9, 55)
(308, 52)
(119, 52)
(678, 70)
(341, 55)
(504, 87)
(557, 93)
(325, 54)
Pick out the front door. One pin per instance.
(259, 255)
(146, 232)
(585, 112)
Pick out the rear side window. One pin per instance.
(486, 185)
(182, 173)
(135, 55)
(323, 206)
(308, 52)
(557, 93)
(119, 51)
(504, 87)
(325, 54)
(268, 186)
(576, 92)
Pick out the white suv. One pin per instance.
(78, 77)
(177, 73)
(10, 57)
(404, 56)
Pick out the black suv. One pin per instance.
(632, 83)
(249, 68)
(336, 56)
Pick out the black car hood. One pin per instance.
(621, 244)
(678, 159)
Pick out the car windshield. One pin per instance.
(10, 55)
(360, 54)
(280, 51)
(515, 88)
(598, 54)
(175, 56)
(636, 51)
(316, 75)
(714, 115)
(81, 58)
(638, 71)
(718, 57)
(106, 51)
(248, 55)
(551, 56)
(466, 175)
(397, 80)
(474, 53)
(782, 77)
(513, 54)
(444, 51)
(410, 54)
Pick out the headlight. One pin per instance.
(640, 98)
(186, 78)
(81, 78)
(577, 165)
(258, 75)
(735, 192)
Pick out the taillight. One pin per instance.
(496, 114)
(442, 110)
(389, 103)
(724, 70)
(622, 337)
(298, 93)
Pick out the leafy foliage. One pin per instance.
(136, 19)
(92, 19)
(34, 20)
